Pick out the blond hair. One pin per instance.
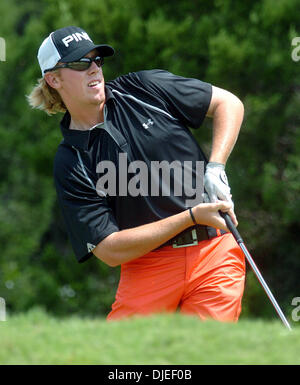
(46, 98)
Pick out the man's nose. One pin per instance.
(94, 68)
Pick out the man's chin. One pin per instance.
(96, 101)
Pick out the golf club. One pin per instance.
(240, 242)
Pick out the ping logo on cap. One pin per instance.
(78, 36)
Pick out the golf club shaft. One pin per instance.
(263, 283)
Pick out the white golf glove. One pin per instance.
(216, 183)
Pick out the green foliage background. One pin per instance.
(244, 47)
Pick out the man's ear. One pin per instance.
(52, 79)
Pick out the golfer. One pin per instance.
(125, 174)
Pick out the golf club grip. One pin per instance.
(231, 226)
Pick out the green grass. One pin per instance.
(36, 338)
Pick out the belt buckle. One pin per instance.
(193, 243)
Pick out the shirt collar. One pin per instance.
(78, 138)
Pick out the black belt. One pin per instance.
(192, 236)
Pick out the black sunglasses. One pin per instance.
(80, 65)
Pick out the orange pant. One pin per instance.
(206, 280)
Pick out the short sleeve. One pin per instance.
(87, 216)
(187, 99)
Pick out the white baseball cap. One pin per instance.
(66, 45)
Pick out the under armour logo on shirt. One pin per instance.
(90, 247)
(149, 123)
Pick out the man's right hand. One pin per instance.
(208, 214)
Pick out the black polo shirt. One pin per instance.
(147, 115)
